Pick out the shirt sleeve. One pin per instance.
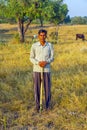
(32, 55)
(51, 57)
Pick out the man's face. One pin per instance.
(42, 37)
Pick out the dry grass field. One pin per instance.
(69, 81)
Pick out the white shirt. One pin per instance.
(41, 53)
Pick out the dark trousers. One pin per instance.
(47, 88)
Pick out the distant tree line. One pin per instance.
(79, 20)
(75, 20)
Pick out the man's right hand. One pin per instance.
(42, 63)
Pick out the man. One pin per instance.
(41, 56)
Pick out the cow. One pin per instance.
(81, 36)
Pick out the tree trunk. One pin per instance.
(21, 30)
(41, 22)
(57, 28)
(27, 25)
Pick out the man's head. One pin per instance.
(42, 31)
(42, 35)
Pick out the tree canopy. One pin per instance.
(60, 11)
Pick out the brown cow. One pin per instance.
(81, 36)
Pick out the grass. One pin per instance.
(69, 85)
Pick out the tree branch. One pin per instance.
(27, 25)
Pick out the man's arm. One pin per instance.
(51, 58)
(32, 56)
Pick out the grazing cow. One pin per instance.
(81, 36)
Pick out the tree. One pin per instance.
(41, 10)
(67, 19)
(25, 11)
(60, 11)
(19, 9)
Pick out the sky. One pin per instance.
(77, 7)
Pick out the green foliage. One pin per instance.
(67, 19)
(17, 9)
(23, 9)
(59, 11)
(79, 20)
(2, 8)
(43, 10)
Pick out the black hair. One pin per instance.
(42, 31)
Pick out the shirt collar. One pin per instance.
(40, 44)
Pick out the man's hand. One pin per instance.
(42, 63)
